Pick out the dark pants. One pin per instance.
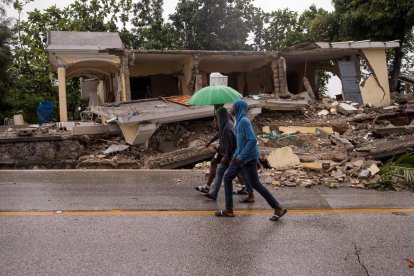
(249, 172)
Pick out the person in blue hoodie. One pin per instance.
(244, 161)
(227, 147)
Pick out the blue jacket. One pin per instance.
(247, 149)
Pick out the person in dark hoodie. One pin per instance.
(227, 146)
(244, 161)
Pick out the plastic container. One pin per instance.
(218, 79)
(18, 120)
(45, 112)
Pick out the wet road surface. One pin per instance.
(155, 223)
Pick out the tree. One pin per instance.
(284, 28)
(378, 20)
(213, 24)
(33, 81)
(150, 31)
(5, 58)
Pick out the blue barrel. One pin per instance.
(45, 112)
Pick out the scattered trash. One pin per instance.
(115, 148)
(410, 263)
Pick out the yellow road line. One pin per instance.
(177, 213)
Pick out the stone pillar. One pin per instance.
(63, 109)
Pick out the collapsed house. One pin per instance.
(124, 76)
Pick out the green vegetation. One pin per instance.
(26, 78)
(402, 167)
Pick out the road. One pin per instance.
(125, 222)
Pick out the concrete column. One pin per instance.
(123, 85)
(125, 73)
(63, 109)
(101, 91)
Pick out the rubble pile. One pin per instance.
(343, 146)
(327, 142)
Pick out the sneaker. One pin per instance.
(209, 196)
(203, 189)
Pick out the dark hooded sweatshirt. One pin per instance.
(227, 143)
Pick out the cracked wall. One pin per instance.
(376, 88)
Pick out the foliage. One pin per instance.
(213, 25)
(405, 168)
(381, 20)
(149, 29)
(402, 167)
(5, 58)
(32, 78)
(195, 24)
(385, 182)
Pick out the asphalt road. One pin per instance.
(155, 223)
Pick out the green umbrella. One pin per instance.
(215, 95)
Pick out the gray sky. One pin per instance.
(169, 5)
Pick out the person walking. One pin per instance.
(218, 156)
(213, 163)
(227, 146)
(245, 161)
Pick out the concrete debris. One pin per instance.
(323, 112)
(373, 169)
(304, 142)
(289, 184)
(304, 130)
(283, 158)
(346, 109)
(115, 148)
(364, 174)
(25, 132)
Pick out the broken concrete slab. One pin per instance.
(304, 130)
(180, 158)
(373, 169)
(266, 129)
(385, 149)
(96, 129)
(394, 129)
(316, 166)
(334, 139)
(283, 158)
(278, 105)
(323, 112)
(346, 109)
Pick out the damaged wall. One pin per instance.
(376, 88)
(40, 151)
